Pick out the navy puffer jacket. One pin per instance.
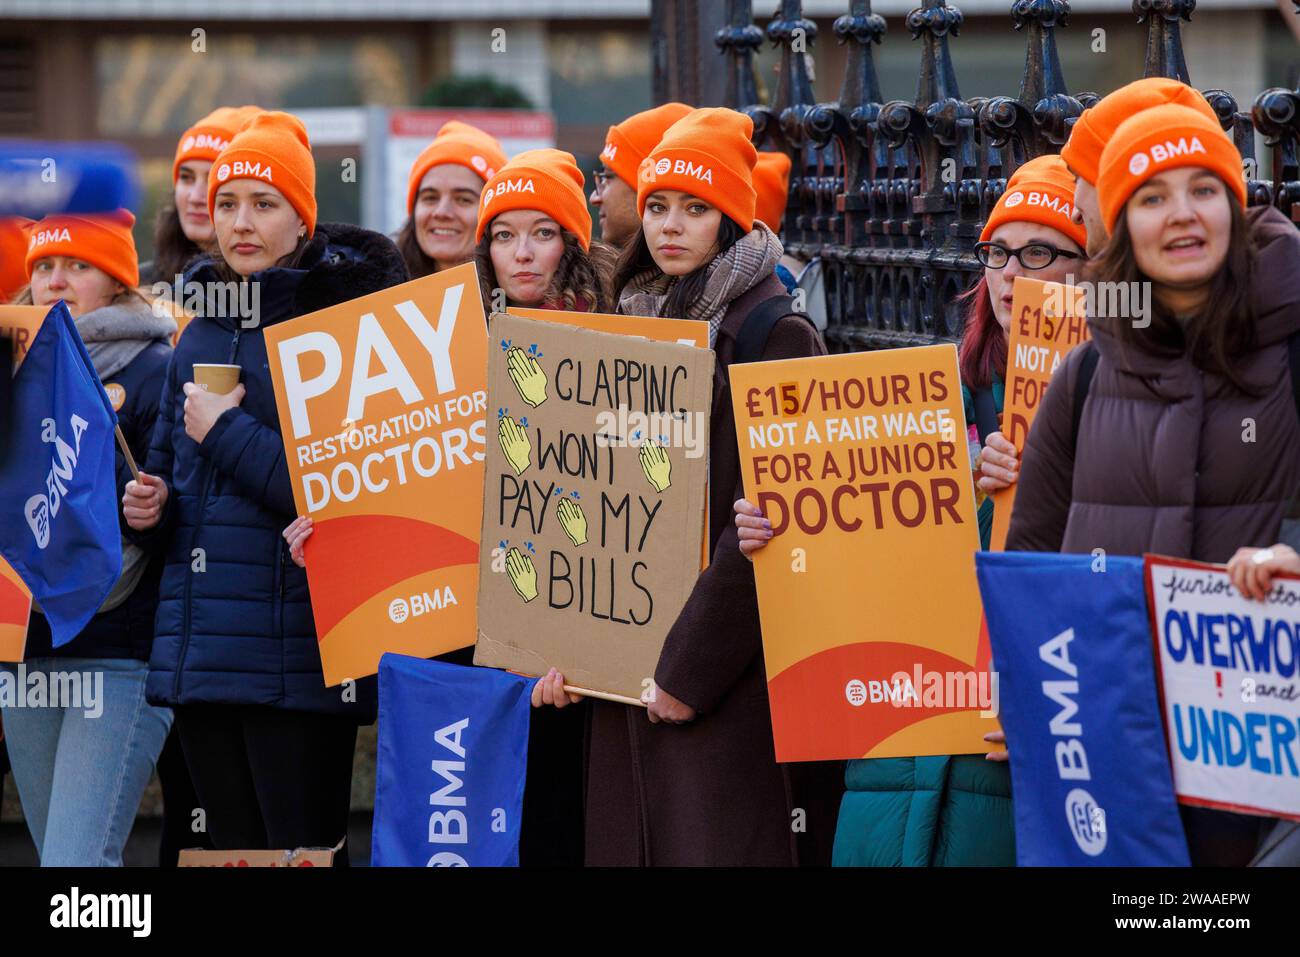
(234, 621)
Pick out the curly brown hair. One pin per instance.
(580, 283)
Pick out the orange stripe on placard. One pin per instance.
(817, 720)
(368, 553)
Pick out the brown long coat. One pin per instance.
(710, 792)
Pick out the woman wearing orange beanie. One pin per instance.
(1097, 124)
(183, 230)
(534, 237)
(535, 250)
(691, 780)
(442, 198)
(81, 771)
(1153, 458)
(269, 746)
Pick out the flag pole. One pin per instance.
(126, 451)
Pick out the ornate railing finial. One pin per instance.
(738, 41)
(1164, 41)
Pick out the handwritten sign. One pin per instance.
(1047, 321)
(1229, 672)
(593, 498)
(867, 592)
(381, 403)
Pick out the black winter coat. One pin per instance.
(240, 631)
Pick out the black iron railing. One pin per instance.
(891, 195)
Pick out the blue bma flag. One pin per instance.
(449, 776)
(60, 472)
(1072, 651)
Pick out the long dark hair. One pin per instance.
(635, 258)
(173, 250)
(1222, 328)
(418, 263)
(983, 349)
(580, 283)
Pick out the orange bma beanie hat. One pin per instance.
(1040, 191)
(1159, 139)
(708, 154)
(547, 180)
(461, 144)
(210, 135)
(1093, 129)
(627, 144)
(104, 241)
(271, 147)
(771, 187)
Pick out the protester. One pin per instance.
(1150, 454)
(81, 766)
(442, 198)
(697, 783)
(1094, 129)
(1034, 220)
(183, 230)
(956, 810)
(626, 145)
(771, 189)
(268, 744)
(534, 237)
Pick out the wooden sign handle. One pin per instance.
(605, 695)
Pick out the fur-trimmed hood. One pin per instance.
(340, 262)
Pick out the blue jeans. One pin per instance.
(81, 759)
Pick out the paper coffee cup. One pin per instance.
(216, 377)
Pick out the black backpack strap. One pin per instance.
(762, 319)
(1087, 367)
(986, 414)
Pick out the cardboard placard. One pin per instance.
(301, 857)
(1047, 321)
(867, 591)
(1229, 679)
(381, 402)
(593, 501)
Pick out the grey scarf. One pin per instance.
(751, 260)
(117, 333)
(114, 336)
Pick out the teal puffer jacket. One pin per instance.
(926, 812)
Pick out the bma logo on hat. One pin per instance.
(50, 236)
(1138, 163)
(609, 152)
(188, 144)
(480, 164)
(1014, 200)
(508, 186)
(223, 172)
(663, 166)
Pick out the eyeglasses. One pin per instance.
(602, 176)
(1030, 256)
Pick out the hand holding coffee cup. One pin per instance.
(216, 388)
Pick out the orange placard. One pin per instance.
(1047, 321)
(867, 594)
(20, 324)
(689, 332)
(381, 403)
